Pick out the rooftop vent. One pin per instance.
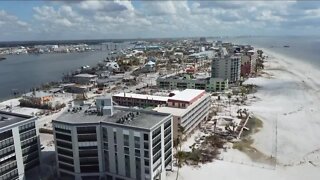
(126, 119)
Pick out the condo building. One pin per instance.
(19, 145)
(226, 66)
(113, 143)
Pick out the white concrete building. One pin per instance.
(117, 144)
(19, 145)
(189, 108)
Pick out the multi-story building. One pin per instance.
(140, 100)
(226, 66)
(189, 108)
(248, 63)
(19, 145)
(245, 65)
(113, 143)
(186, 81)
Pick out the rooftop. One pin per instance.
(86, 75)
(142, 96)
(187, 95)
(179, 111)
(8, 118)
(37, 94)
(141, 118)
(198, 76)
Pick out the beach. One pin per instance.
(288, 105)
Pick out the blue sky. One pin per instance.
(50, 20)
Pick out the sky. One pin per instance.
(89, 19)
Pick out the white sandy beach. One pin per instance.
(289, 107)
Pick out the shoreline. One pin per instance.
(287, 105)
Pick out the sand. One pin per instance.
(289, 107)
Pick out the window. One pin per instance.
(137, 152)
(146, 154)
(146, 162)
(105, 134)
(127, 166)
(138, 168)
(156, 132)
(126, 150)
(87, 137)
(66, 167)
(86, 130)
(126, 140)
(146, 145)
(115, 137)
(116, 160)
(147, 171)
(62, 130)
(146, 137)
(63, 137)
(137, 142)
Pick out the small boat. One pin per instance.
(286, 46)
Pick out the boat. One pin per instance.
(286, 46)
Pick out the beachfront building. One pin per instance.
(226, 66)
(245, 65)
(189, 108)
(38, 98)
(196, 81)
(248, 63)
(113, 143)
(19, 145)
(140, 100)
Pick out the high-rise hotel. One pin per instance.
(113, 143)
(19, 145)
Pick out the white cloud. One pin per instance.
(125, 19)
(106, 5)
(11, 20)
(11, 26)
(64, 16)
(268, 16)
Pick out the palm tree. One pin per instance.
(179, 145)
(240, 113)
(229, 98)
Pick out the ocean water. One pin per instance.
(306, 49)
(23, 72)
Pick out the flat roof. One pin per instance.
(186, 95)
(37, 94)
(85, 75)
(179, 111)
(142, 96)
(172, 110)
(9, 118)
(144, 119)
